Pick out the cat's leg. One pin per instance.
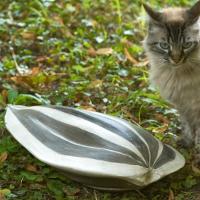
(196, 133)
(186, 139)
(192, 120)
(197, 147)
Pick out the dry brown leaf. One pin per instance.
(101, 51)
(31, 168)
(27, 81)
(161, 118)
(129, 57)
(89, 108)
(171, 195)
(142, 64)
(28, 35)
(41, 58)
(3, 157)
(91, 52)
(35, 71)
(104, 51)
(2, 197)
(161, 129)
(4, 94)
(22, 81)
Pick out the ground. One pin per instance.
(86, 54)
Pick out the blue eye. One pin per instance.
(187, 45)
(164, 45)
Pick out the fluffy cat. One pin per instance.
(173, 48)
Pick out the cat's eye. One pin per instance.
(187, 45)
(164, 45)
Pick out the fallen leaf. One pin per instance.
(41, 58)
(31, 168)
(129, 57)
(89, 108)
(4, 94)
(102, 51)
(3, 157)
(22, 81)
(2, 197)
(161, 118)
(91, 52)
(28, 35)
(35, 71)
(142, 64)
(161, 129)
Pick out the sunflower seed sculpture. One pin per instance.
(98, 150)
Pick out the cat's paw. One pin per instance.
(184, 143)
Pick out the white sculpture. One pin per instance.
(95, 149)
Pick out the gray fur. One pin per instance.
(175, 71)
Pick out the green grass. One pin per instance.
(51, 53)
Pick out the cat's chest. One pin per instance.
(177, 86)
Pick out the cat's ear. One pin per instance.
(194, 12)
(154, 15)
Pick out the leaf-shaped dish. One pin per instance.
(96, 149)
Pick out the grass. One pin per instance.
(86, 54)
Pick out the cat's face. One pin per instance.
(174, 36)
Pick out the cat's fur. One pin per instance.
(175, 71)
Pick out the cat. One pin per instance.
(172, 46)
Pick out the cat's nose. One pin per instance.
(176, 58)
(176, 61)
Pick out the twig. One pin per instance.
(95, 195)
(12, 49)
(140, 193)
(21, 181)
(10, 13)
(15, 60)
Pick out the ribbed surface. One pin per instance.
(89, 144)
